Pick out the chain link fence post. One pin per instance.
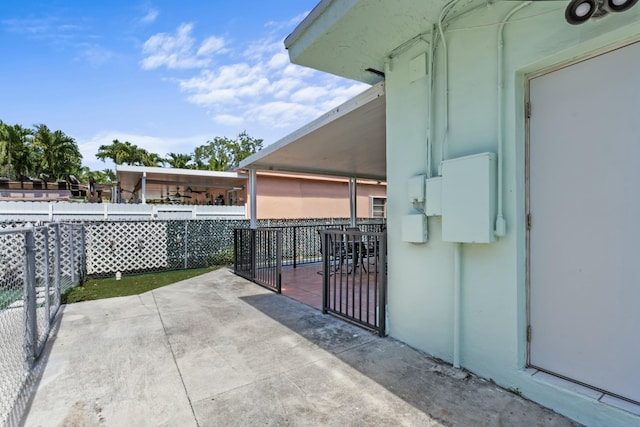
(47, 275)
(57, 267)
(83, 253)
(30, 320)
(186, 238)
(72, 256)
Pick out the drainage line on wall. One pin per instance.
(501, 224)
(457, 287)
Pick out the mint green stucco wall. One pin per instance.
(493, 298)
(352, 35)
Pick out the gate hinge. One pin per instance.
(528, 333)
(528, 221)
(527, 110)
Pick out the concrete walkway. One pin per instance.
(217, 350)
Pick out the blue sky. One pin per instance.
(164, 75)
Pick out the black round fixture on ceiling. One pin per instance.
(580, 11)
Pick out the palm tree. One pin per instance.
(151, 159)
(16, 155)
(128, 153)
(58, 152)
(179, 161)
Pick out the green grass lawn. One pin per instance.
(129, 285)
(8, 296)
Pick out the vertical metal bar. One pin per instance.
(72, 256)
(235, 250)
(295, 245)
(83, 253)
(47, 298)
(253, 253)
(341, 249)
(360, 270)
(186, 224)
(57, 265)
(332, 248)
(325, 271)
(382, 320)
(279, 260)
(30, 320)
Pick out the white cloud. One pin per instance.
(211, 45)
(96, 55)
(150, 17)
(279, 60)
(283, 114)
(309, 94)
(226, 86)
(293, 70)
(287, 25)
(229, 120)
(178, 50)
(261, 89)
(283, 87)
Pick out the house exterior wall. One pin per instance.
(493, 295)
(286, 196)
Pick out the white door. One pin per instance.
(584, 241)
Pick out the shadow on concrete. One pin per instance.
(24, 399)
(447, 395)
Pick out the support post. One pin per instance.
(30, 320)
(57, 268)
(144, 188)
(47, 275)
(353, 204)
(252, 198)
(186, 253)
(457, 284)
(72, 258)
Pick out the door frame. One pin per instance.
(527, 171)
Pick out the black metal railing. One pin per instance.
(301, 243)
(258, 256)
(354, 276)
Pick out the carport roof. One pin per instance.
(348, 141)
(158, 179)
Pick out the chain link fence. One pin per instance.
(37, 265)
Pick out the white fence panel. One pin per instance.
(73, 211)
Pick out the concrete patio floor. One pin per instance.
(217, 350)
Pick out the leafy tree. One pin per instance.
(16, 155)
(128, 153)
(58, 154)
(151, 159)
(179, 161)
(224, 153)
(105, 176)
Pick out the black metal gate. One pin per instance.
(258, 256)
(355, 277)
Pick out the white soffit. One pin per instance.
(348, 141)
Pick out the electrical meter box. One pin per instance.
(469, 199)
(414, 228)
(433, 204)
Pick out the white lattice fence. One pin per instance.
(131, 246)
